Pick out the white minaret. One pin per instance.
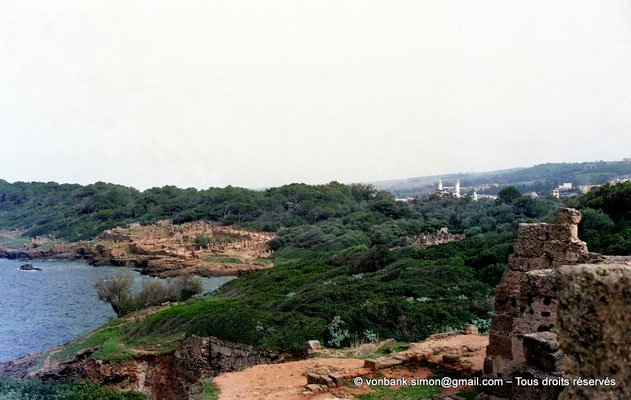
(440, 184)
(457, 188)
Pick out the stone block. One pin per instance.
(372, 364)
(538, 231)
(487, 367)
(337, 379)
(594, 317)
(451, 358)
(327, 381)
(529, 247)
(538, 284)
(314, 388)
(401, 357)
(564, 233)
(568, 216)
(502, 324)
(312, 378)
(388, 362)
(500, 345)
(313, 345)
(469, 329)
(526, 264)
(541, 350)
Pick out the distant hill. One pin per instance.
(540, 178)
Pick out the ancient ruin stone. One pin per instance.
(541, 350)
(451, 358)
(526, 302)
(469, 329)
(594, 320)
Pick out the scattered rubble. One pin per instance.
(424, 240)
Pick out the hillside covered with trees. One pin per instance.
(344, 267)
(539, 178)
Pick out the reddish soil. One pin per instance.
(287, 380)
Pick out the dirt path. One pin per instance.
(287, 381)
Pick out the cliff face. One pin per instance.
(173, 375)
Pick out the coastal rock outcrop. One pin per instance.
(163, 249)
(29, 267)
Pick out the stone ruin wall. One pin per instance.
(521, 341)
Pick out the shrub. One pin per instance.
(32, 389)
(201, 240)
(116, 289)
(337, 334)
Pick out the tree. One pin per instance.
(509, 194)
(116, 289)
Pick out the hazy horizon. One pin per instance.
(260, 94)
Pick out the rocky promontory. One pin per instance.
(163, 249)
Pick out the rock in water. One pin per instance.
(29, 267)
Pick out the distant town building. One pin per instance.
(555, 193)
(586, 188)
(446, 191)
(532, 195)
(620, 179)
(566, 186)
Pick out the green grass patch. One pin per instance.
(209, 390)
(15, 242)
(158, 343)
(110, 333)
(222, 259)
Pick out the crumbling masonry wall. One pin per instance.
(526, 304)
(594, 318)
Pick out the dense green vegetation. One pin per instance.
(17, 389)
(344, 268)
(75, 212)
(606, 224)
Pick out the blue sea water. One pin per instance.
(40, 309)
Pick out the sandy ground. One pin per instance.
(287, 381)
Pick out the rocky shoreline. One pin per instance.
(161, 250)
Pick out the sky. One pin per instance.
(203, 93)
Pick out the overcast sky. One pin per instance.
(265, 92)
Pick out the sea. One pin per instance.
(41, 309)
